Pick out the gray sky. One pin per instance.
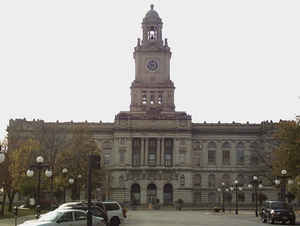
(72, 60)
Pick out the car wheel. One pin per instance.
(293, 222)
(114, 222)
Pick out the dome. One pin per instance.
(152, 16)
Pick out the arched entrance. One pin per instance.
(168, 194)
(151, 193)
(135, 194)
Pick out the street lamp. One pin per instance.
(219, 192)
(79, 179)
(237, 188)
(71, 181)
(223, 190)
(39, 166)
(283, 178)
(64, 172)
(255, 184)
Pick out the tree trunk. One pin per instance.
(11, 196)
(3, 204)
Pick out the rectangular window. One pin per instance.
(212, 157)
(136, 152)
(240, 157)
(181, 158)
(226, 157)
(106, 159)
(122, 157)
(152, 152)
(168, 157)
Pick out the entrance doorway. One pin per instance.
(168, 194)
(151, 193)
(135, 194)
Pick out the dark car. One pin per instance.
(277, 211)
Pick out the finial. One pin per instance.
(151, 6)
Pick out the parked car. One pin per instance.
(95, 209)
(114, 212)
(277, 211)
(64, 217)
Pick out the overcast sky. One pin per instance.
(72, 60)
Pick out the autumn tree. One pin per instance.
(287, 155)
(75, 158)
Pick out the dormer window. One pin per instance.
(152, 33)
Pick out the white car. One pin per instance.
(64, 217)
(114, 212)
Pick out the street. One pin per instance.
(181, 218)
(192, 218)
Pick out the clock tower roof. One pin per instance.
(152, 16)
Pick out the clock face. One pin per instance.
(152, 65)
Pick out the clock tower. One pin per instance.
(152, 89)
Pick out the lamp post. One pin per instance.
(223, 190)
(219, 192)
(237, 188)
(71, 181)
(281, 180)
(64, 172)
(78, 180)
(255, 184)
(39, 166)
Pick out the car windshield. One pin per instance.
(51, 216)
(280, 205)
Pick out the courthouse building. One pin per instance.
(153, 151)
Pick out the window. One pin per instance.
(111, 206)
(226, 157)
(182, 180)
(226, 153)
(106, 159)
(79, 216)
(240, 158)
(122, 156)
(136, 152)
(212, 197)
(66, 217)
(168, 152)
(197, 158)
(211, 180)
(152, 146)
(226, 179)
(212, 153)
(152, 33)
(212, 157)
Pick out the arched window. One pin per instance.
(226, 153)
(240, 156)
(152, 33)
(211, 180)
(182, 180)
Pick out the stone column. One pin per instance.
(162, 151)
(128, 155)
(157, 151)
(142, 152)
(146, 151)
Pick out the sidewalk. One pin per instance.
(11, 221)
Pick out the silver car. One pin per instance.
(64, 217)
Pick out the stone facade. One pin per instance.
(155, 152)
